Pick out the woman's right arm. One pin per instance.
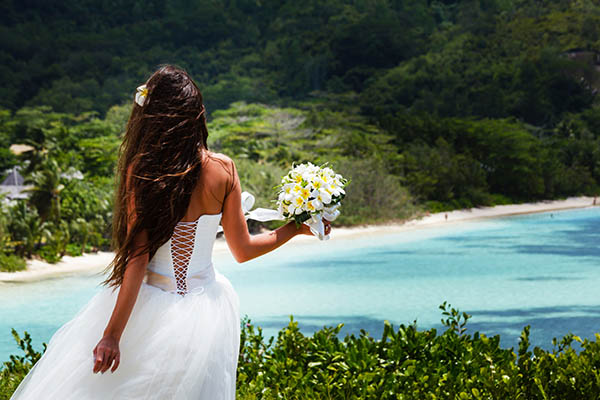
(244, 246)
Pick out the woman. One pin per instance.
(173, 321)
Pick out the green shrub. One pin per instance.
(406, 363)
(498, 199)
(73, 249)
(434, 206)
(373, 195)
(410, 364)
(49, 254)
(13, 371)
(11, 263)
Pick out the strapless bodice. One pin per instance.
(184, 263)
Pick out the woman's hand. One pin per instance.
(305, 229)
(105, 352)
(327, 226)
(243, 246)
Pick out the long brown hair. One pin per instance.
(159, 164)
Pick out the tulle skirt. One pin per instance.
(173, 347)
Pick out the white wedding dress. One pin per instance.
(181, 340)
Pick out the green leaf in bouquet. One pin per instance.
(301, 218)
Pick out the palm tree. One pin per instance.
(45, 193)
(26, 228)
(81, 229)
(59, 239)
(38, 154)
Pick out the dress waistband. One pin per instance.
(195, 283)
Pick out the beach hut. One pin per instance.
(13, 185)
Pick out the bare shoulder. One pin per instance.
(222, 171)
(224, 160)
(220, 156)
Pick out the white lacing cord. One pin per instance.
(182, 246)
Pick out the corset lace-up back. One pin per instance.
(184, 263)
(182, 247)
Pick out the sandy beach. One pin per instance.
(37, 269)
(93, 263)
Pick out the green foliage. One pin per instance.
(69, 172)
(26, 229)
(99, 154)
(252, 51)
(373, 195)
(49, 253)
(508, 63)
(265, 141)
(11, 263)
(457, 163)
(73, 249)
(45, 190)
(423, 104)
(405, 363)
(13, 371)
(497, 65)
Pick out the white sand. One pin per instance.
(91, 263)
(466, 215)
(36, 269)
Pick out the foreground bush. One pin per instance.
(411, 364)
(11, 263)
(14, 371)
(405, 363)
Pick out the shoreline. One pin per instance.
(96, 262)
(468, 214)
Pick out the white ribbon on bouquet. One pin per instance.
(315, 223)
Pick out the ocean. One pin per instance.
(541, 270)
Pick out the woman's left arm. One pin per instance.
(107, 349)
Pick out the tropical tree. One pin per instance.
(26, 228)
(45, 190)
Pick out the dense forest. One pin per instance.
(423, 104)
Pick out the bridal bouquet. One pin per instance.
(309, 193)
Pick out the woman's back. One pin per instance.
(217, 179)
(184, 262)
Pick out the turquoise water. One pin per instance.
(540, 270)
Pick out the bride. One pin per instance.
(166, 324)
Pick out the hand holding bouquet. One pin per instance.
(309, 193)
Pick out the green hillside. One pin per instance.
(426, 105)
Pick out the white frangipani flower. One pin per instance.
(308, 193)
(140, 95)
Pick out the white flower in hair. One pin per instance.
(140, 95)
